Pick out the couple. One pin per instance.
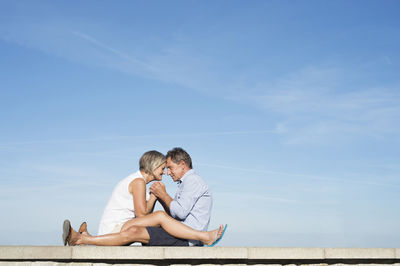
(129, 217)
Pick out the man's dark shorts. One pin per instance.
(160, 237)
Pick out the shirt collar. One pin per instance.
(191, 171)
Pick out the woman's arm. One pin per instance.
(138, 190)
(151, 203)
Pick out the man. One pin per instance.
(192, 202)
(191, 205)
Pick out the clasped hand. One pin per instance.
(158, 189)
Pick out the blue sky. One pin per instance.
(290, 110)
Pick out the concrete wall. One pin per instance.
(91, 255)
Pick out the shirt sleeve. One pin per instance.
(185, 199)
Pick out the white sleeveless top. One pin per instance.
(120, 207)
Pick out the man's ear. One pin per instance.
(182, 163)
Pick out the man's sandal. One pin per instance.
(217, 240)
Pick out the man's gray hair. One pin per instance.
(179, 154)
(150, 161)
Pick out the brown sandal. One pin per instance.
(66, 231)
(83, 228)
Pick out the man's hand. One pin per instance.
(158, 189)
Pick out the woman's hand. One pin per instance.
(150, 203)
(152, 197)
(158, 189)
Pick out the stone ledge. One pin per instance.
(34, 252)
(361, 253)
(197, 254)
(286, 253)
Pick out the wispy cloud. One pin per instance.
(112, 50)
(314, 103)
(58, 38)
(130, 137)
(306, 177)
(171, 64)
(40, 177)
(12, 190)
(67, 39)
(264, 199)
(317, 103)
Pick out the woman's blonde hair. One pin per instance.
(150, 161)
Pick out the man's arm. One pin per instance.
(158, 189)
(186, 199)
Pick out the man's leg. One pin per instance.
(174, 227)
(130, 235)
(160, 237)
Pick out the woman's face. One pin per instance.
(159, 172)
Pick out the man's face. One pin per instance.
(175, 170)
(159, 172)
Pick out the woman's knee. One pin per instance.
(133, 232)
(133, 229)
(160, 214)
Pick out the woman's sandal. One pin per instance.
(66, 231)
(83, 228)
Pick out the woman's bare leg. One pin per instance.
(174, 227)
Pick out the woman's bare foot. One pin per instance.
(214, 235)
(86, 234)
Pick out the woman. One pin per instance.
(128, 208)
